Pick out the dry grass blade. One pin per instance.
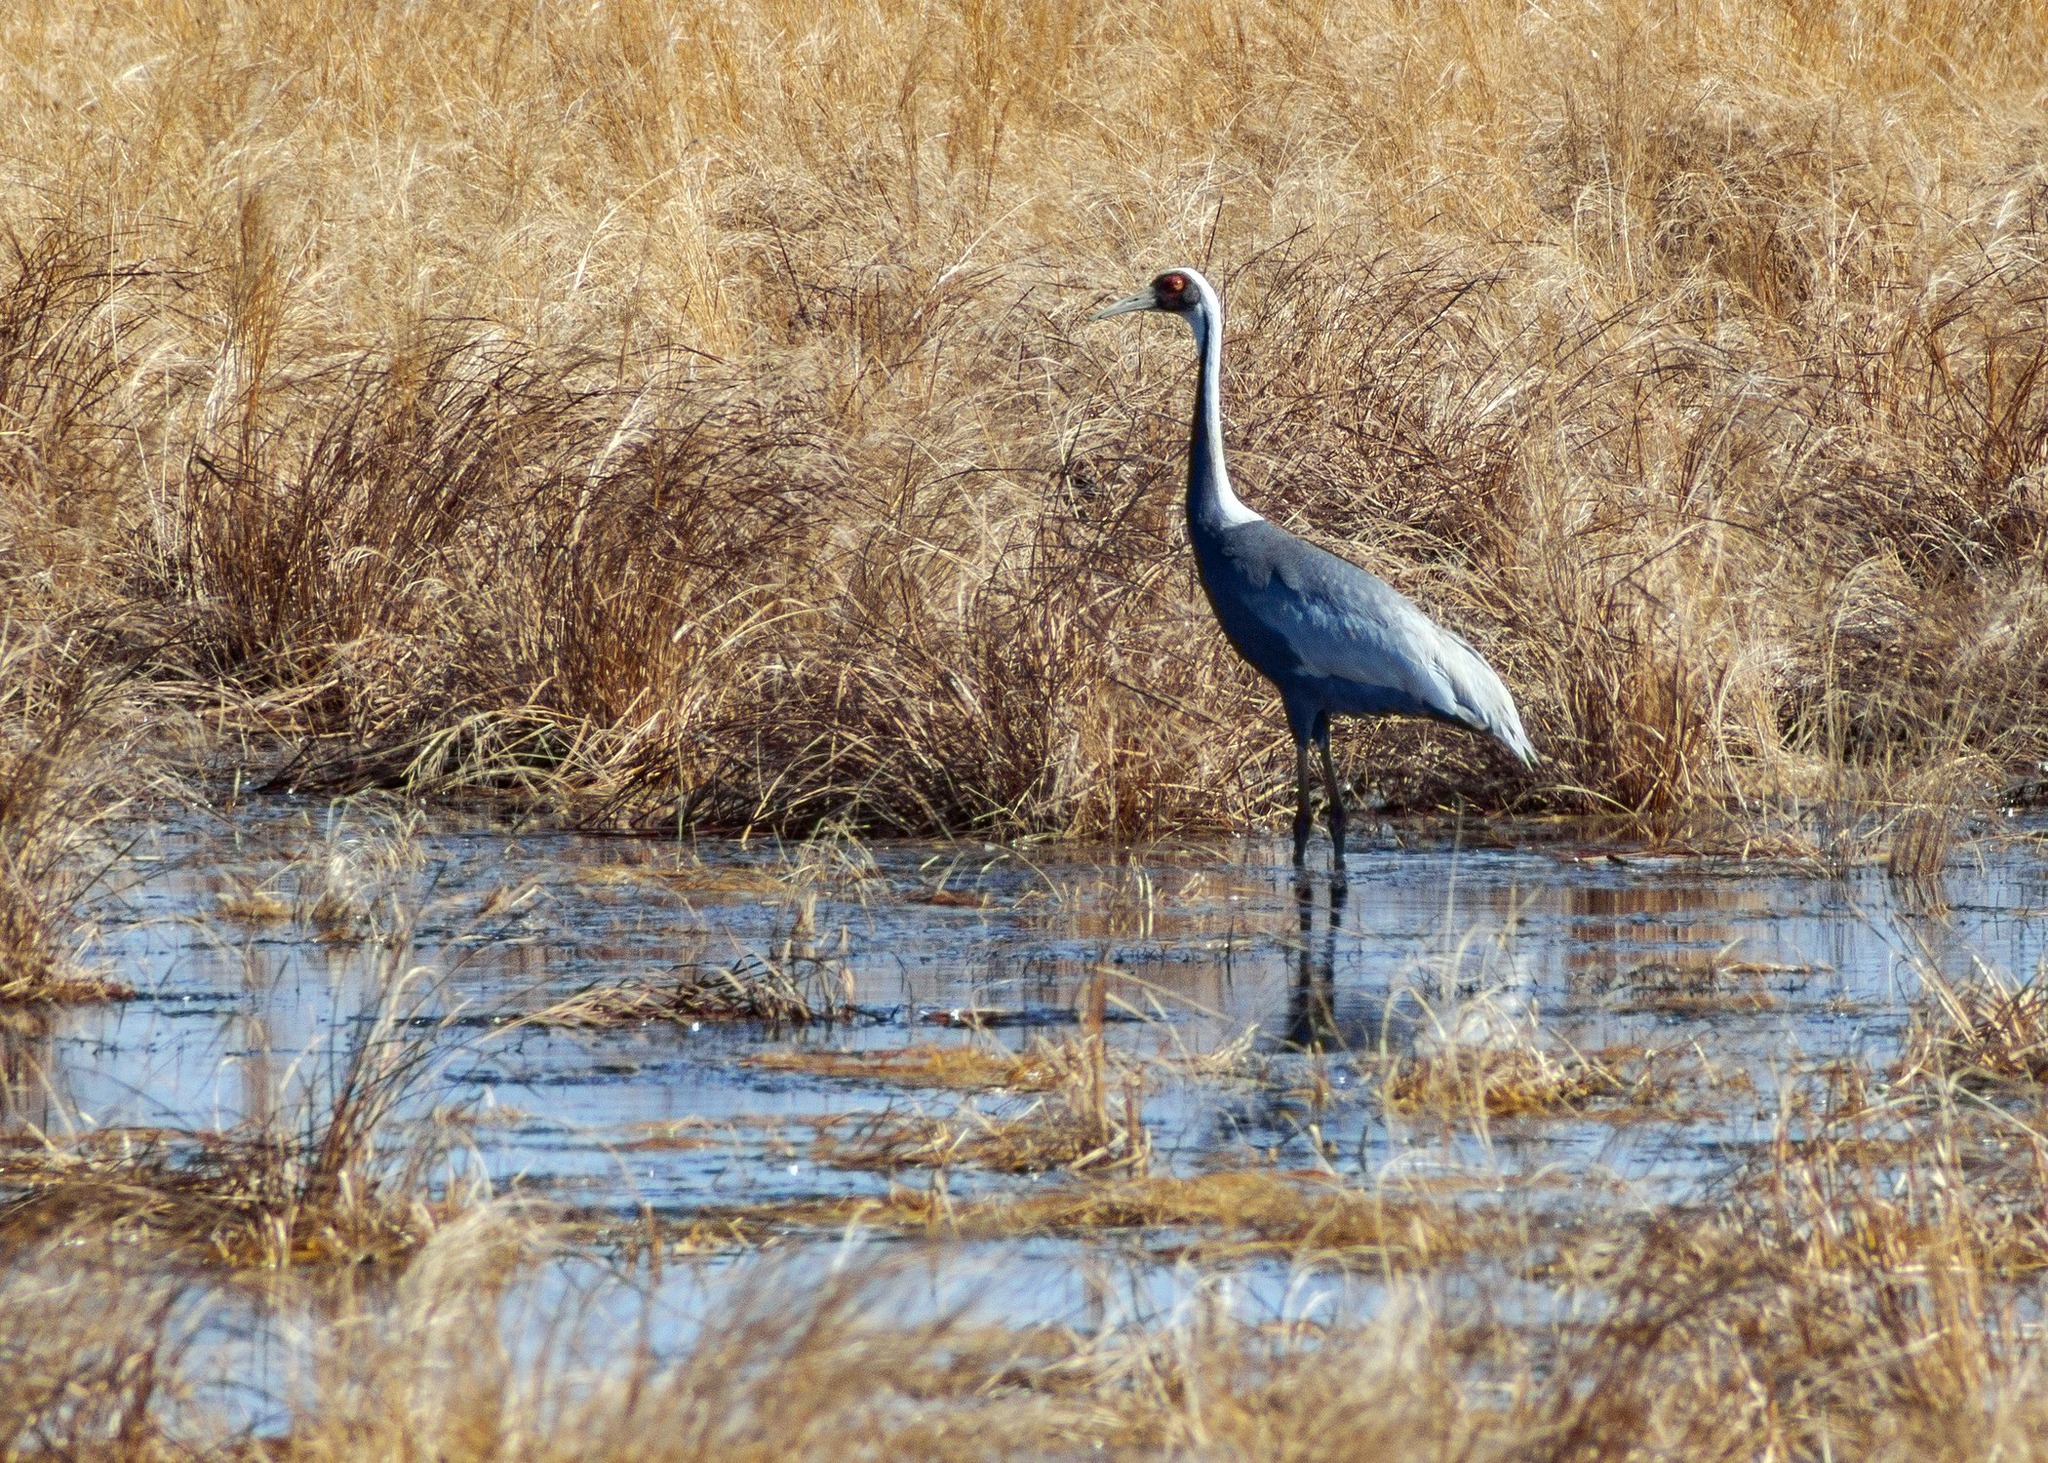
(1517, 1082)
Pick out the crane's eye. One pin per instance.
(1173, 284)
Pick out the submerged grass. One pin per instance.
(1089, 1116)
(1519, 1081)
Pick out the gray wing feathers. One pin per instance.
(1349, 625)
(1483, 702)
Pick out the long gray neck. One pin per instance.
(1212, 506)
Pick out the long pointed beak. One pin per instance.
(1144, 299)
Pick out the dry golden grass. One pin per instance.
(1519, 1081)
(1986, 1029)
(1850, 1293)
(682, 413)
(685, 411)
(57, 786)
(1230, 1214)
(751, 989)
(1044, 1137)
(228, 1200)
(1088, 1118)
(976, 1068)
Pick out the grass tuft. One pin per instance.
(753, 989)
(1042, 1067)
(1988, 1029)
(1518, 1081)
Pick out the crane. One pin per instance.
(1333, 639)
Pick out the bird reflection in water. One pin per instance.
(1312, 1001)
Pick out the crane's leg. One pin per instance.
(1336, 801)
(1302, 821)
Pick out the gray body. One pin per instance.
(1332, 638)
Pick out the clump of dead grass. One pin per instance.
(1701, 985)
(1478, 1053)
(1044, 1137)
(750, 989)
(1228, 1214)
(802, 977)
(90, 1351)
(1089, 1117)
(233, 1200)
(1518, 1081)
(344, 883)
(1987, 1028)
(973, 1067)
(55, 767)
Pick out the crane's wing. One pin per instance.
(1342, 624)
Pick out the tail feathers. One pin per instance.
(1503, 723)
(1485, 704)
(1516, 741)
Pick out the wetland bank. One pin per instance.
(622, 831)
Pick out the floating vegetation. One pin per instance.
(1220, 1215)
(1518, 1081)
(1090, 1118)
(252, 904)
(1042, 1138)
(752, 989)
(63, 987)
(975, 1068)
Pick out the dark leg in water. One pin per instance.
(1301, 816)
(1336, 798)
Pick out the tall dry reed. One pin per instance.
(684, 410)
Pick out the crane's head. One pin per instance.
(1176, 292)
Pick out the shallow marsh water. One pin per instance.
(1744, 979)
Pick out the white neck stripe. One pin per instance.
(1207, 324)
